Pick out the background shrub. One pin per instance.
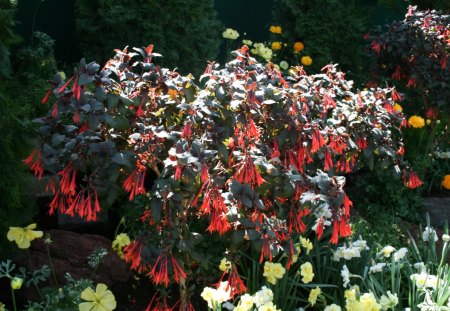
(187, 33)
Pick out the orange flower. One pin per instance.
(275, 29)
(298, 47)
(446, 182)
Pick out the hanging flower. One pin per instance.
(23, 236)
(306, 60)
(446, 182)
(416, 121)
(230, 34)
(101, 299)
(276, 45)
(298, 47)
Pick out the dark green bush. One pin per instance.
(332, 31)
(186, 32)
(7, 36)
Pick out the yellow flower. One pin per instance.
(273, 271)
(313, 294)
(268, 306)
(100, 300)
(306, 271)
(332, 307)
(284, 65)
(245, 303)
(306, 60)
(119, 243)
(446, 182)
(276, 46)
(225, 265)
(247, 42)
(275, 29)
(369, 303)
(428, 122)
(298, 47)
(416, 122)
(398, 107)
(230, 34)
(16, 283)
(23, 236)
(306, 243)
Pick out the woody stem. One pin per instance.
(184, 299)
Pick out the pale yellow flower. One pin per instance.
(284, 65)
(225, 265)
(306, 243)
(101, 299)
(313, 294)
(230, 34)
(268, 306)
(23, 236)
(306, 271)
(273, 271)
(369, 302)
(247, 42)
(16, 283)
(332, 307)
(245, 303)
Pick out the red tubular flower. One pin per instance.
(432, 113)
(361, 142)
(337, 144)
(187, 131)
(55, 111)
(35, 163)
(204, 175)
(67, 183)
(295, 222)
(328, 101)
(401, 151)
(413, 181)
(376, 47)
(276, 152)
(235, 283)
(178, 272)
(328, 161)
(158, 304)
(317, 140)
(178, 172)
(134, 184)
(397, 75)
(62, 88)
(132, 253)
(347, 204)
(160, 271)
(248, 173)
(219, 223)
(265, 250)
(320, 227)
(443, 61)
(344, 227)
(412, 83)
(47, 96)
(395, 95)
(335, 233)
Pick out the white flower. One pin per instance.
(426, 280)
(361, 244)
(284, 65)
(228, 306)
(230, 34)
(420, 266)
(386, 251)
(389, 301)
(429, 233)
(445, 237)
(345, 273)
(398, 255)
(262, 296)
(377, 267)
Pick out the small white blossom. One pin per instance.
(389, 301)
(284, 65)
(377, 267)
(429, 234)
(400, 254)
(345, 273)
(386, 251)
(445, 237)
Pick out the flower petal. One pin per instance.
(86, 306)
(30, 227)
(88, 294)
(14, 233)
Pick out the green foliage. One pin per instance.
(381, 198)
(7, 36)
(186, 32)
(332, 31)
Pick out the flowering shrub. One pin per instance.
(249, 156)
(414, 53)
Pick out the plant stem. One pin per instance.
(51, 264)
(183, 295)
(13, 299)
